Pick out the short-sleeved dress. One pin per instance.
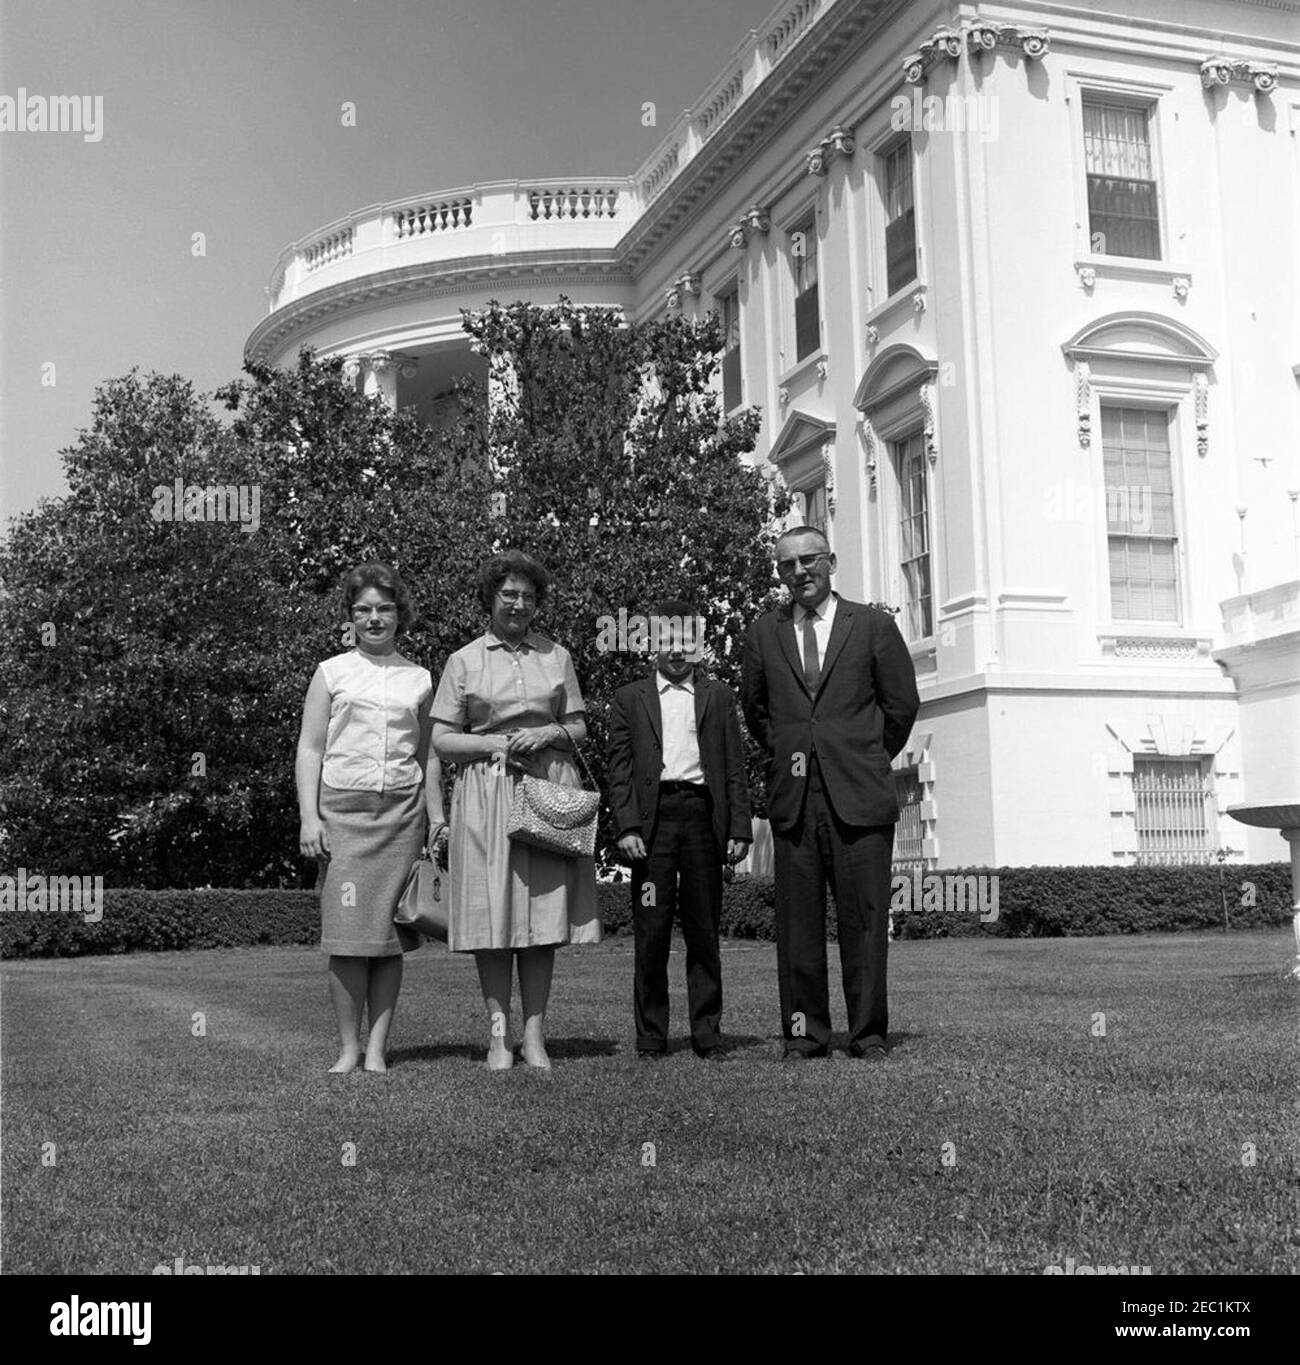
(506, 894)
(371, 800)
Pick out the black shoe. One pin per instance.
(711, 1054)
(869, 1052)
(648, 1055)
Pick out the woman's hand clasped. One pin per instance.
(531, 740)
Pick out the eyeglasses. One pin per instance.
(384, 609)
(527, 598)
(787, 566)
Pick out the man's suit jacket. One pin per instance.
(636, 758)
(860, 718)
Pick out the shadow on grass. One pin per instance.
(438, 1052)
(566, 1048)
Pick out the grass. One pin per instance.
(228, 1149)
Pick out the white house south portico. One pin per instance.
(383, 287)
(1014, 291)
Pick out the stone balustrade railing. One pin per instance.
(548, 203)
(491, 219)
(758, 54)
(512, 216)
(332, 247)
(435, 216)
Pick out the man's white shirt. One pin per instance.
(821, 626)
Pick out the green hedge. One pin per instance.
(1033, 902)
(1055, 902)
(148, 921)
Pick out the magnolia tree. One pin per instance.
(159, 624)
(162, 620)
(611, 462)
(139, 647)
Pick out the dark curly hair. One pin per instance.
(386, 579)
(493, 572)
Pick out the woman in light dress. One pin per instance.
(508, 704)
(369, 787)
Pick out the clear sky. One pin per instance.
(223, 117)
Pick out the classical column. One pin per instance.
(381, 377)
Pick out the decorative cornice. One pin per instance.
(466, 274)
(826, 47)
(977, 35)
(688, 282)
(944, 42)
(838, 142)
(754, 219)
(983, 36)
(1222, 70)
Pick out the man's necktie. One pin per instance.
(812, 669)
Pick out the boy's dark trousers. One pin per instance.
(685, 869)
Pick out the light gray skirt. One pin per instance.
(374, 838)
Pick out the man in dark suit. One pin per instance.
(681, 807)
(829, 693)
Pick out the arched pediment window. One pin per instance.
(895, 372)
(896, 398)
(803, 451)
(1144, 353)
(894, 395)
(1140, 337)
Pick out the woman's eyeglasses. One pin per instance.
(527, 598)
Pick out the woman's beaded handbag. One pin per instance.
(551, 816)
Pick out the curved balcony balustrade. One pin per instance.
(512, 217)
(505, 218)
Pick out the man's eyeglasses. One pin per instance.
(527, 598)
(384, 609)
(788, 566)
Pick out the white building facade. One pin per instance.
(1017, 290)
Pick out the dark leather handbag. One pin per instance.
(422, 905)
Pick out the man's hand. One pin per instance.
(737, 850)
(632, 846)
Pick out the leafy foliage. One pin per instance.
(152, 671)
(620, 474)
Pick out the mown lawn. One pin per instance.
(1130, 1148)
